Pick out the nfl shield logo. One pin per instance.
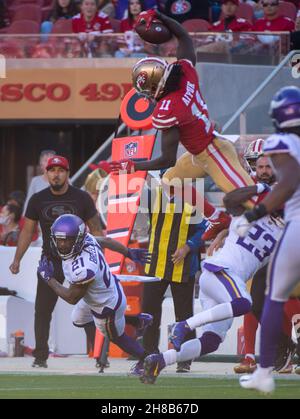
(131, 149)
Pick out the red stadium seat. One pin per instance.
(16, 3)
(245, 11)
(62, 26)
(196, 25)
(116, 25)
(48, 3)
(24, 27)
(288, 9)
(12, 48)
(46, 12)
(28, 12)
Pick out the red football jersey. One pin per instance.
(281, 23)
(186, 109)
(100, 23)
(126, 25)
(235, 25)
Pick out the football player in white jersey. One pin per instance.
(96, 293)
(284, 271)
(223, 293)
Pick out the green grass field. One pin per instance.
(113, 387)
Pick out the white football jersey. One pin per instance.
(91, 267)
(245, 256)
(286, 143)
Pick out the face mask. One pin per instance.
(4, 220)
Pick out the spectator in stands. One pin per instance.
(38, 183)
(131, 43)
(272, 21)
(135, 7)
(107, 7)
(63, 9)
(3, 14)
(122, 7)
(16, 198)
(90, 20)
(182, 10)
(295, 36)
(93, 184)
(230, 21)
(10, 216)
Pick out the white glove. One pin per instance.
(241, 225)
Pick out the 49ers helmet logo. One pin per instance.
(141, 80)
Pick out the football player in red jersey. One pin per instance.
(182, 115)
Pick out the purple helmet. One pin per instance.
(69, 227)
(285, 107)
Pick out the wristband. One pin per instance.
(262, 187)
(258, 212)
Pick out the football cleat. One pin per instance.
(263, 383)
(178, 334)
(39, 363)
(297, 369)
(183, 367)
(247, 366)
(285, 353)
(145, 320)
(216, 226)
(287, 370)
(137, 369)
(153, 365)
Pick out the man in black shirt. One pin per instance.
(44, 207)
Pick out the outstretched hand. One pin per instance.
(45, 269)
(141, 256)
(147, 18)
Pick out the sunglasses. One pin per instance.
(270, 4)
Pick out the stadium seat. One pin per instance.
(244, 11)
(288, 9)
(196, 25)
(17, 3)
(12, 48)
(46, 11)
(48, 3)
(62, 26)
(28, 12)
(116, 25)
(24, 27)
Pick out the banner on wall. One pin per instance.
(63, 93)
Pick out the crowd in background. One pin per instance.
(90, 18)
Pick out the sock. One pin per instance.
(291, 309)
(90, 331)
(215, 314)
(250, 329)
(215, 215)
(210, 342)
(130, 346)
(209, 211)
(189, 350)
(170, 357)
(271, 329)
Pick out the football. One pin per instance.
(158, 33)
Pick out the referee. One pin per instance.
(174, 245)
(44, 207)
